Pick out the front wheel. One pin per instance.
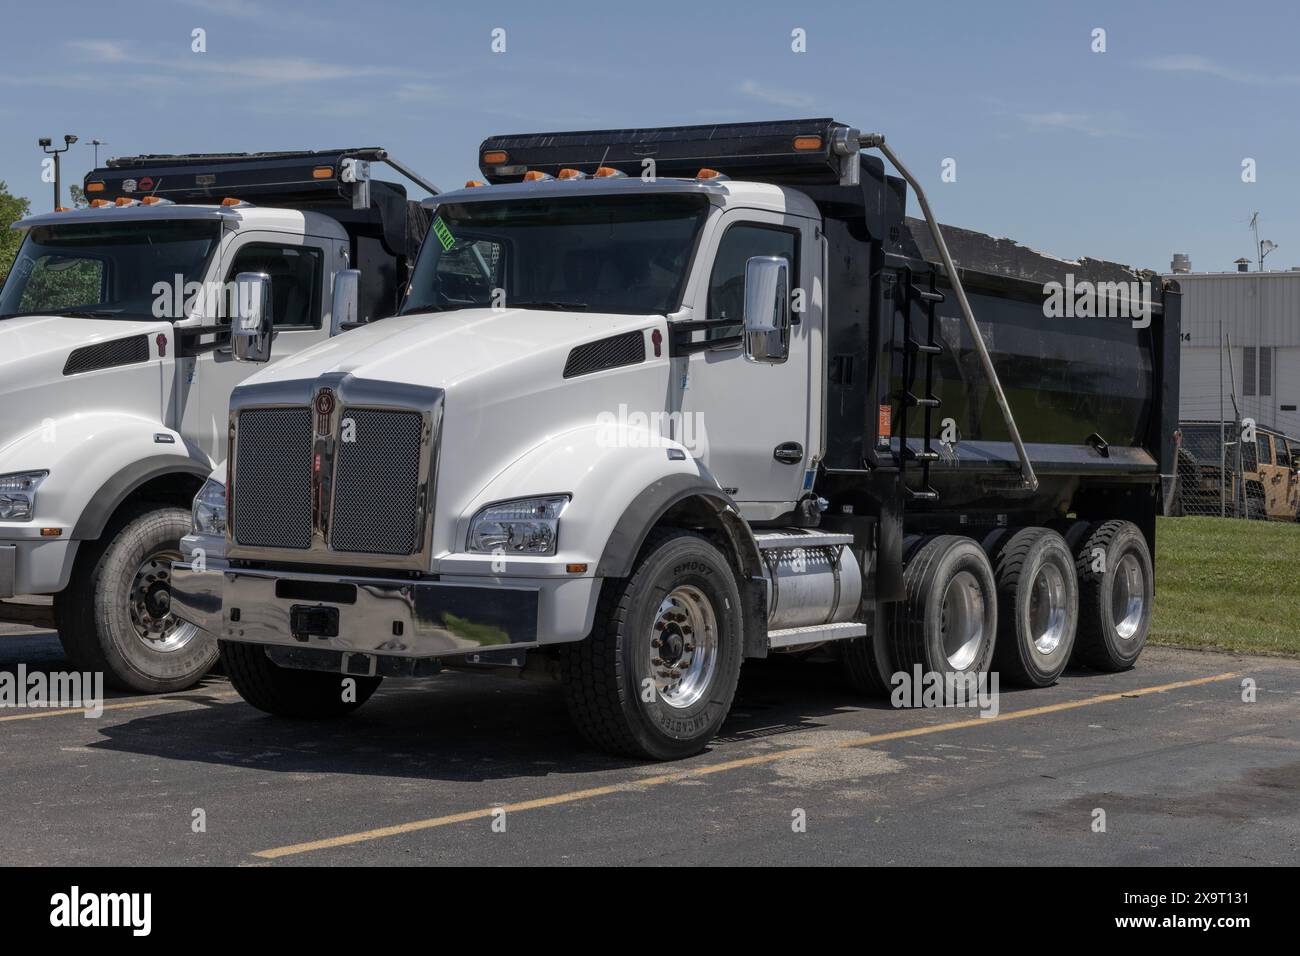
(115, 614)
(286, 692)
(656, 676)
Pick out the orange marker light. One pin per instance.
(607, 171)
(97, 187)
(323, 172)
(576, 568)
(124, 201)
(535, 175)
(707, 174)
(495, 157)
(230, 201)
(474, 183)
(807, 142)
(151, 200)
(51, 532)
(571, 174)
(99, 203)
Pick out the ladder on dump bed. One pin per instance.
(1028, 479)
(918, 352)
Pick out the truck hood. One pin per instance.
(445, 349)
(34, 350)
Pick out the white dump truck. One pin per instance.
(661, 400)
(116, 369)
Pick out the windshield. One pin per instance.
(105, 270)
(625, 254)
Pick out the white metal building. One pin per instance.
(1259, 313)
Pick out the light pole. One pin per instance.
(47, 144)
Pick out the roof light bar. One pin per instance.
(809, 151)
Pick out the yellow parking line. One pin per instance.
(123, 705)
(675, 777)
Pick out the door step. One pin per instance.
(786, 540)
(816, 633)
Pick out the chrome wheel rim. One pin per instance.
(150, 605)
(1128, 597)
(1047, 611)
(684, 647)
(962, 621)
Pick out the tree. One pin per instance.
(12, 208)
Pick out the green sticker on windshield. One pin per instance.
(443, 233)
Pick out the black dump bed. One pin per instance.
(385, 231)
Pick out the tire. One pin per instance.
(866, 662)
(114, 616)
(682, 588)
(1038, 607)
(947, 621)
(1115, 596)
(286, 692)
(1256, 509)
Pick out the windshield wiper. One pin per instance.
(541, 304)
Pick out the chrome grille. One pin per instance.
(273, 482)
(377, 504)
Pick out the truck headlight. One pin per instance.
(210, 508)
(18, 494)
(522, 526)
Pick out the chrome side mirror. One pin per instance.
(343, 315)
(250, 332)
(767, 310)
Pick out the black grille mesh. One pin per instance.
(273, 487)
(377, 482)
(89, 358)
(617, 350)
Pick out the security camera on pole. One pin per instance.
(47, 144)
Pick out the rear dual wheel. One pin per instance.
(1038, 607)
(946, 623)
(1116, 588)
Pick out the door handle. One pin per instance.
(788, 453)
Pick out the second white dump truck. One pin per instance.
(662, 400)
(116, 367)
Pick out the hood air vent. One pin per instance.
(108, 355)
(613, 352)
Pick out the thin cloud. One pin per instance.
(1194, 63)
(102, 51)
(245, 70)
(775, 97)
(1086, 123)
(240, 9)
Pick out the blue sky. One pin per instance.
(1131, 154)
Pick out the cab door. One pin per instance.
(301, 270)
(756, 425)
(1273, 476)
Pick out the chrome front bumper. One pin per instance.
(398, 618)
(8, 569)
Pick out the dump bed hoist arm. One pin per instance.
(1027, 476)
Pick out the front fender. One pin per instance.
(621, 480)
(94, 462)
